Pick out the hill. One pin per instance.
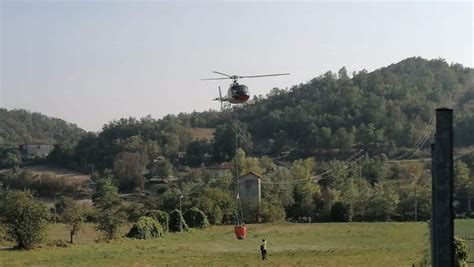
(386, 111)
(382, 111)
(19, 126)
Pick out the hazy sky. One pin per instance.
(90, 62)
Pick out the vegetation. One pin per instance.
(44, 184)
(9, 157)
(195, 218)
(107, 201)
(146, 228)
(384, 111)
(328, 244)
(160, 216)
(177, 222)
(71, 214)
(20, 126)
(460, 252)
(25, 219)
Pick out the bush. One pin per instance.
(26, 220)
(271, 213)
(43, 184)
(146, 228)
(133, 211)
(196, 218)
(460, 252)
(162, 217)
(340, 212)
(177, 222)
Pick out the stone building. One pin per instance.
(36, 150)
(250, 187)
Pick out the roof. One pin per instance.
(251, 173)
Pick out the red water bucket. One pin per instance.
(240, 231)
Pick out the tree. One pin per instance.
(224, 144)
(107, 200)
(463, 182)
(9, 157)
(106, 196)
(162, 168)
(61, 153)
(269, 212)
(109, 222)
(340, 212)
(383, 202)
(128, 170)
(279, 189)
(196, 153)
(72, 215)
(304, 191)
(26, 219)
(217, 204)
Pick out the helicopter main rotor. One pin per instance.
(236, 77)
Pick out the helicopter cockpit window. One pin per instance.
(244, 89)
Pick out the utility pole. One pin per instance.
(442, 247)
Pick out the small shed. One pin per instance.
(250, 187)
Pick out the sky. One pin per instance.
(90, 62)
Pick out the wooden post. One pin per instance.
(442, 196)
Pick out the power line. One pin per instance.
(426, 134)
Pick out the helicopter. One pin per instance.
(237, 93)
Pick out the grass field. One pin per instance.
(464, 226)
(59, 172)
(328, 244)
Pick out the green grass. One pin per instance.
(328, 244)
(464, 226)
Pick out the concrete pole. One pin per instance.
(442, 197)
(433, 197)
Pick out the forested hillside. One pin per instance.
(306, 142)
(385, 111)
(20, 126)
(381, 111)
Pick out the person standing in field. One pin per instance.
(263, 249)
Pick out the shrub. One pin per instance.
(340, 212)
(162, 217)
(271, 213)
(460, 252)
(195, 218)
(26, 220)
(146, 228)
(177, 222)
(133, 211)
(43, 184)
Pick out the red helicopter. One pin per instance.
(237, 93)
